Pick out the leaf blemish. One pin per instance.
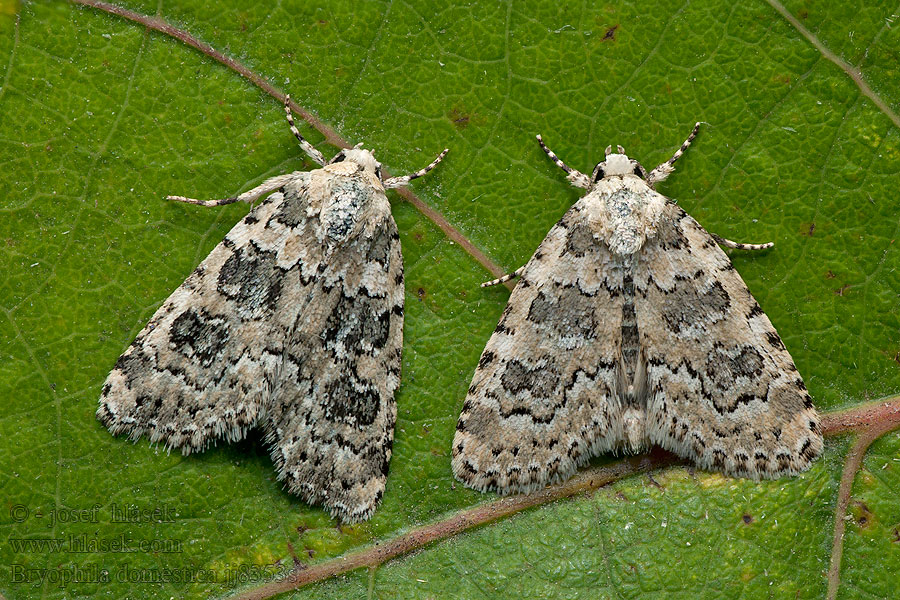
(611, 33)
(783, 79)
(864, 514)
(459, 118)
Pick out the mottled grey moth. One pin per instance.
(294, 323)
(630, 327)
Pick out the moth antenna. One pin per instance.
(266, 187)
(664, 170)
(575, 177)
(395, 182)
(310, 150)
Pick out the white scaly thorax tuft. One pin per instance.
(617, 164)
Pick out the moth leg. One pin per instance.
(310, 150)
(505, 278)
(665, 169)
(738, 245)
(576, 178)
(395, 182)
(266, 187)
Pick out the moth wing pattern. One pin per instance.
(544, 396)
(291, 292)
(193, 374)
(722, 390)
(332, 423)
(670, 348)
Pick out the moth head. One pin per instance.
(359, 155)
(617, 165)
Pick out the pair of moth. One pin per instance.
(628, 327)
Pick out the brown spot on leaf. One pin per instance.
(785, 79)
(895, 534)
(421, 293)
(892, 355)
(803, 14)
(830, 275)
(459, 118)
(747, 519)
(611, 33)
(862, 513)
(840, 291)
(808, 230)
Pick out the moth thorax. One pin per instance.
(617, 164)
(362, 157)
(344, 210)
(624, 220)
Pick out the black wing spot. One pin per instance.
(196, 334)
(250, 277)
(352, 401)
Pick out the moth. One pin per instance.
(294, 323)
(630, 327)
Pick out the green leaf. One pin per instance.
(102, 118)
(871, 560)
(682, 536)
